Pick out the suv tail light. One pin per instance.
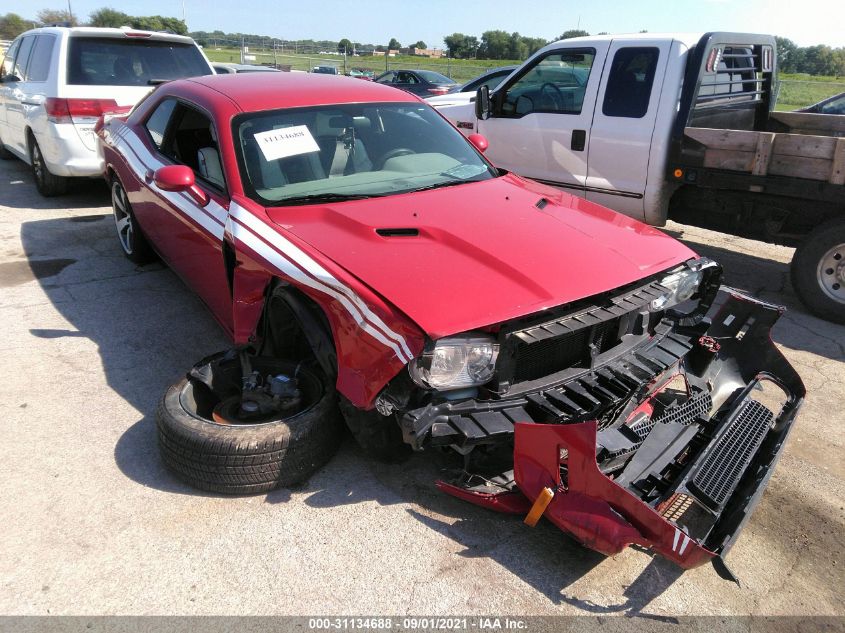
(438, 91)
(64, 110)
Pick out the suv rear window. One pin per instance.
(115, 62)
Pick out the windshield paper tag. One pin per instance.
(284, 142)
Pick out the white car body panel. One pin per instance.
(69, 149)
(624, 161)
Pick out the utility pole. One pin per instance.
(69, 13)
(275, 64)
(345, 53)
(242, 50)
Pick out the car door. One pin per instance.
(623, 126)
(541, 117)
(6, 86)
(16, 97)
(408, 81)
(188, 235)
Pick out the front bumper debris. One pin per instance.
(691, 478)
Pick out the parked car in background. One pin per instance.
(423, 83)
(56, 81)
(466, 92)
(831, 105)
(231, 69)
(589, 368)
(361, 73)
(325, 70)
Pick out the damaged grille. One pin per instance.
(687, 413)
(720, 472)
(573, 340)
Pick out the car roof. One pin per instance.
(128, 33)
(254, 92)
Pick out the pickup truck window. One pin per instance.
(555, 83)
(629, 84)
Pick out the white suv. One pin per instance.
(55, 82)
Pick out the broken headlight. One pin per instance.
(684, 284)
(456, 362)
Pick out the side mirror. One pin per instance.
(480, 142)
(482, 103)
(179, 178)
(8, 79)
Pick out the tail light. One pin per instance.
(65, 110)
(713, 60)
(440, 90)
(768, 59)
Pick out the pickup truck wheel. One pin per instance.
(378, 436)
(129, 234)
(47, 183)
(203, 441)
(818, 271)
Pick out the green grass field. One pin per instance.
(796, 91)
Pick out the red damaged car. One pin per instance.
(373, 268)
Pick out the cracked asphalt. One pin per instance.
(93, 524)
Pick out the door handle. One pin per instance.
(148, 176)
(579, 140)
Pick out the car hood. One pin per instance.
(484, 252)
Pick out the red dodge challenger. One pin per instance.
(374, 269)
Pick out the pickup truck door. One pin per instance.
(623, 125)
(540, 124)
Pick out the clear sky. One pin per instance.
(806, 22)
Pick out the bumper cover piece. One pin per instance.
(730, 459)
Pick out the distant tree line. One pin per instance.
(496, 44)
(813, 60)
(12, 25)
(500, 44)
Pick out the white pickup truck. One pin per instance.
(681, 127)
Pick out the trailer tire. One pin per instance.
(818, 271)
(248, 458)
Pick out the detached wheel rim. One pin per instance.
(222, 409)
(122, 217)
(831, 273)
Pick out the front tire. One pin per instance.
(210, 453)
(818, 271)
(378, 436)
(132, 241)
(47, 183)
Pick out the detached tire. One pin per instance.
(247, 458)
(818, 271)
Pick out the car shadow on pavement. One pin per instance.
(768, 280)
(544, 557)
(17, 186)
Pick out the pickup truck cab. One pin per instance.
(678, 126)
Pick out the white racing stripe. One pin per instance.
(362, 313)
(283, 255)
(287, 268)
(677, 537)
